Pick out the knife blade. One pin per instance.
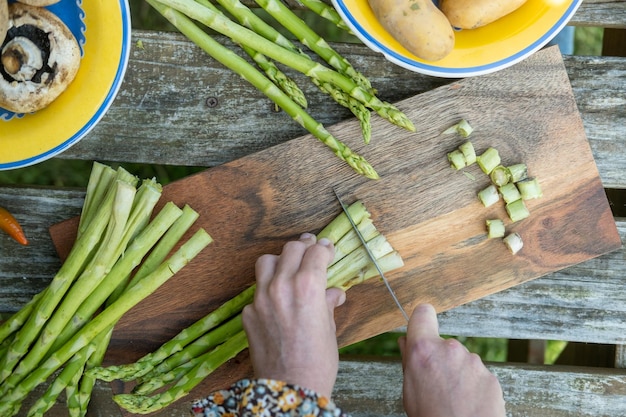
(371, 255)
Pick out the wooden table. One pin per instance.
(205, 116)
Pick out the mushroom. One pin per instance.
(4, 19)
(39, 56)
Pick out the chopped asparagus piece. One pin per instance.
(529, 189)
(510, 193)
(500, 176)
(457, 160)
(517, 210)
(513, 242)
(489, 195)
(488, 160)
(467, 148)
(463, 128)
(495, 228)
(518, 172)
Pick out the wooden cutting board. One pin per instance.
(428, 211)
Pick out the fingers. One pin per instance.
(423, 323)
(291, 258)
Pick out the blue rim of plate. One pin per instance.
(444, 72)
(106, 103)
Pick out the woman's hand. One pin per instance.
(290, 325)
(441, 378)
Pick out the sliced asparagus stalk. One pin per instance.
(468, 151)
(495, 228)
(489, 196)
(457, 159)
(253, 76)
(518, 172)
(509, 192)
(529, 189)
(514, 242)
(517, 210)
(462, 128)
(500, 176)
(488, 160)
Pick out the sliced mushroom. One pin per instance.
(39, 3)
(39, 56)
(4, 19)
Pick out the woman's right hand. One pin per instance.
(441, 377)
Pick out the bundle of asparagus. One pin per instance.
(262, 42)
(67, 327)
(173, 370)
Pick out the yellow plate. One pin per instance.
(102, 28)
(479, 51)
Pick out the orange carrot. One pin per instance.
(11, 226)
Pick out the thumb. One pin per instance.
(334, 298)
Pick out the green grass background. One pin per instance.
(67, 173)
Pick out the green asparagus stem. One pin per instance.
(313, 41)
(11, 402)
(296, 61)
(132, 257)
(200, 346)
(509, 192)
(488, 160)
(73, 367)
(17, 320)
(158, 381)
(517, 210)
(251, 74)
(100, 180)
(272, 72)
(340, 225)
(249, 19)
(87, 382)
(144, 365)
(140, 404)
(108, 253)
(59, 286)
(327, 12)
(529, 189)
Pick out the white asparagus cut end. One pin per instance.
(514, 242)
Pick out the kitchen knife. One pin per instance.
(371, 256)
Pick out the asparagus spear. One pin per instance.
(312, 40)
(248, 72)
(272, 72)
(212, 360)
(200, 346)
(249, 19)
(57, 289)
(10, 403)
(122, 226)
(327, 12)
(308, 67)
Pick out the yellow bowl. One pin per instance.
(103, 30)
(478, 51)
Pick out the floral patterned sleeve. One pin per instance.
(265, 398)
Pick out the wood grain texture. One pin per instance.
(428, 211)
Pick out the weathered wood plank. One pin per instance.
(582, 303)
(373, 388)
(161, 113)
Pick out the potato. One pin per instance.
(418, 25)
(472, 14)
